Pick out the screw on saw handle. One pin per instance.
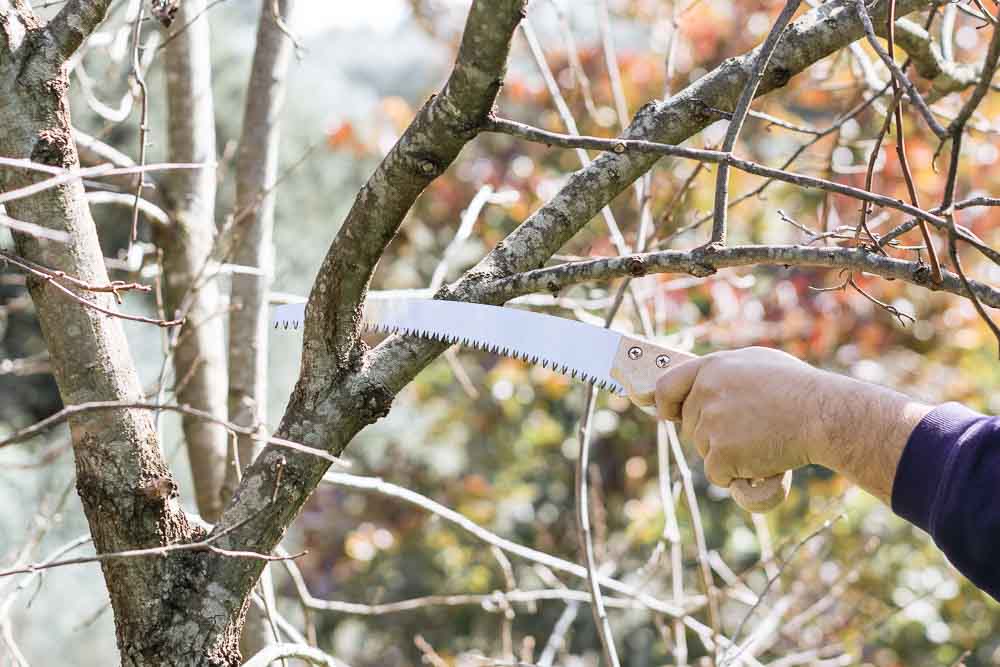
(638, 365)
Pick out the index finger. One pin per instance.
(674, 386)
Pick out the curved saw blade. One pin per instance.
(566, 346)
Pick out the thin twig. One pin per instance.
(63, 176)
(143, 121)
(55, 278)
(31, 229)
(203, 545)
(99, 406)
(739, 116)
(584, 532)
(904, 164)
(620, 146)
(911, 91)
(957, 262)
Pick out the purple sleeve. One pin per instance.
(948, 484)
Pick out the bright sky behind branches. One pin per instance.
(317, 15)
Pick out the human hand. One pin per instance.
(751, 413)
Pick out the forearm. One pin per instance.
(757, 412)
(866, 429)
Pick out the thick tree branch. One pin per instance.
(125, 487)
(74, 23)
(432, 141)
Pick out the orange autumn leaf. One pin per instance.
(341, 135)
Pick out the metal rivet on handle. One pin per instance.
(634, 353)
(662, 361)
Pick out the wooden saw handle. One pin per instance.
(639, 364)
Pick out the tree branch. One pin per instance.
(74, 23)
(695, 263)
(900, 77)
(721, 210)
(256, 172)
(432, 141)
(160, 552)
(307, 654)
(946, 76)
(623, 146)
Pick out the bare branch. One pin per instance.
(32, 229)
(376, 485)
(553, 278)
(140, 81)
(202, 545)
(115, 287)
(624, 146)
(93, 151)
(74, 23)
(946, 75)
(151, 211)
(198, 347)
(433, 140)
(250, 244)
(911, 91)
(103, 406)
(65, 176)
(739, 115)
(584, 534)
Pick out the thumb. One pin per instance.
(674, 386)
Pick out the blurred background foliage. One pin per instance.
(496, 440)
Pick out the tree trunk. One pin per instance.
(190, 286)
(251, 246)
(127, 491)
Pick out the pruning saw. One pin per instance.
(621, 363)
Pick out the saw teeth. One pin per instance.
(391, 328)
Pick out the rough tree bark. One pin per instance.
(127, 491)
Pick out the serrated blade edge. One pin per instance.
(572, 348)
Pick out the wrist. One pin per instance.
(850, 413)
(830, 394)
(864, 428)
